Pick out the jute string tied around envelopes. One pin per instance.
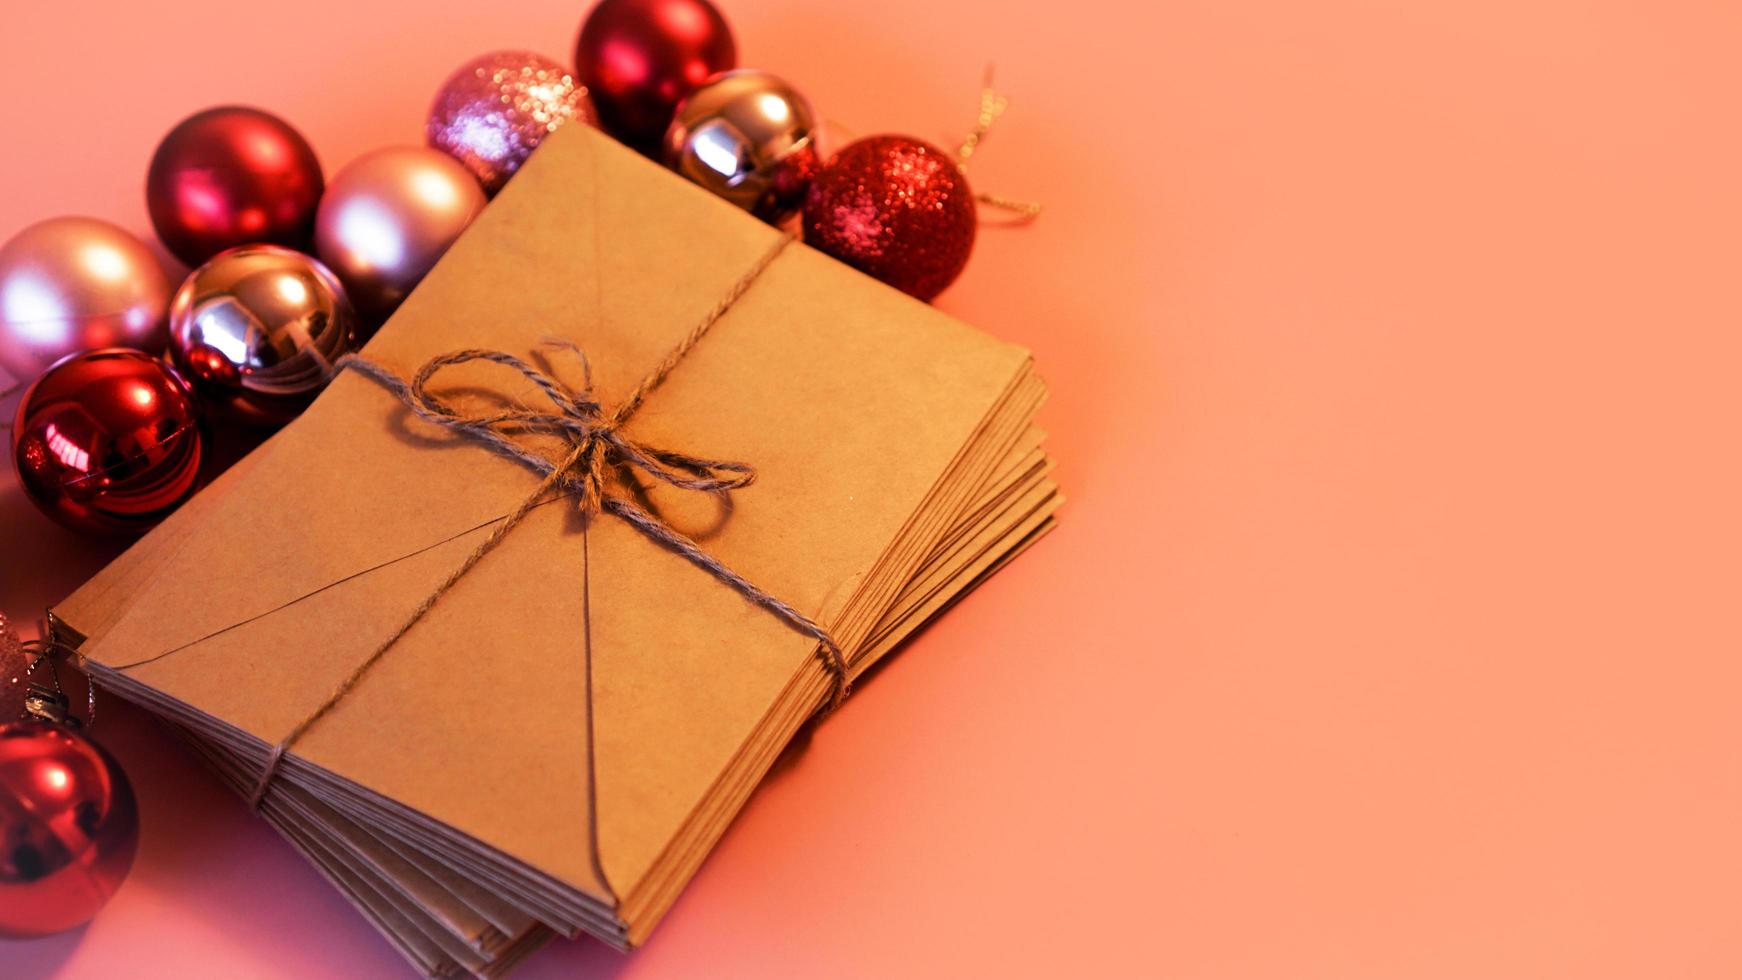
(597, 444)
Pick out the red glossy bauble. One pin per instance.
(108, 441)
(69, 828)
(232, 176)
(896, 208)
(639, 58)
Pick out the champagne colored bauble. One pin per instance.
(108, 441)
(639, 58)
(495, 110)
(232, 176)
(388, 216)
(748, 137)
(69, 828)
(257, 331)
(72, 284)
(897, 209)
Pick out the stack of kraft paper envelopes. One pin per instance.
(558, 743)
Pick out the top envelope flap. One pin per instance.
(850, 400)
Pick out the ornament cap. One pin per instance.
(46, 700)
(51, 705)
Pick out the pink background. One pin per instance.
(1391, 631)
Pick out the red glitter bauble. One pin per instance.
(14, 671)
(107, 441)
(232, 176)
(69, 828)
(895, 208)
(639, 58)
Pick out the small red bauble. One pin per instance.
(69, 828)
(107, 441)
(895, 208)
(639, 58)
(232, 176)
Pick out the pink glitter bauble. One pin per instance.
(493, 112)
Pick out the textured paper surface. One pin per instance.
(850, 399)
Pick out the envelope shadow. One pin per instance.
(568, 959)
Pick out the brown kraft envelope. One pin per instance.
(571, 700)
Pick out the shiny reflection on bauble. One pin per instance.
(69, 828)
(73, 283)
(107, 441)
(257, 331)
(748, 137)
(386, 219)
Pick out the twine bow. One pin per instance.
(595, 438)
(596, 444)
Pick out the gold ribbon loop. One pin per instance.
(992, 105)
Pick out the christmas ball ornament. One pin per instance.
(107, 441)
(639, 58)
(897, 209)
(72, 284)
(495, 110)
(232, 176)
(387, 218)
(69, 828)
(748, 137)
(257, 329)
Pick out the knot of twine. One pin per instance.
(595, 438)
(596, 444)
